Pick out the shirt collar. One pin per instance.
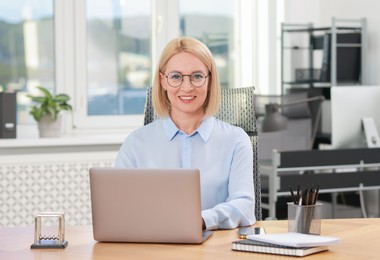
(204, 130)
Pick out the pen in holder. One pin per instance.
(304, 219)
(304, 213)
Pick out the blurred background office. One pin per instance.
(103, 54)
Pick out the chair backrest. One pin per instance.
(237, 108)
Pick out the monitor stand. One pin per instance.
(371, 133)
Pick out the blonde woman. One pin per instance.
(186, 96)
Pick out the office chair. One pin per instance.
(237, 108)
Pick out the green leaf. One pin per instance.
(45, 92)
(61, 98)
(48, 104)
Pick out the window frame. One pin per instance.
(71, 62)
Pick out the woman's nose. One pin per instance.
(186, 83)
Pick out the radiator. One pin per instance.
(30, 184)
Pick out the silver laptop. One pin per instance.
(146, 205)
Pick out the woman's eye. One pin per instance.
(175, 76)
(198, 76)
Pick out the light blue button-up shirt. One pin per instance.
(222, 153)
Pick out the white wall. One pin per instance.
(320, 13)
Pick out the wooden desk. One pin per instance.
(360, 240)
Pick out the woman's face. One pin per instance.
(186, 99)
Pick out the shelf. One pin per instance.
(314, 82)
(296, 48)
(348, 45)
(338, 53)
(315, 29)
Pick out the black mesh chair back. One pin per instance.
(237, 108)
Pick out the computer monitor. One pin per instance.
(349, 106)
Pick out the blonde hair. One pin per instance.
(161, 103)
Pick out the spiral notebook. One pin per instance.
(249, 245)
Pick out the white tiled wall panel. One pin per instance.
(59, 182)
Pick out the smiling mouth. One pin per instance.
(187, 98)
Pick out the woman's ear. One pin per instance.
(163, 81)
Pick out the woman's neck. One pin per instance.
(187, 123)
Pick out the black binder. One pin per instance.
(348, 59)
(8, 108)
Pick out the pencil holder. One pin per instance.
(304, 219)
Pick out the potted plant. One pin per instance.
(46, 111)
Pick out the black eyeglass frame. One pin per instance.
(182, 75)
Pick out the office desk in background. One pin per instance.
(360, 240)
(337, 170)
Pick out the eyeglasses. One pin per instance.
(197, 79)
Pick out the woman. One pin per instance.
(186, 96)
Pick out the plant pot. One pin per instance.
(47, 127)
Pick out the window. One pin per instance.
(213, 22)
(103, 53)
(26, 49)
(118, 56)
(113, 63)
(123, 40)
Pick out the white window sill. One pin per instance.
(71, 143)
(66, 140)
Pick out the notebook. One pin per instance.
(249, 245)
(295, 239)
(146, 205)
